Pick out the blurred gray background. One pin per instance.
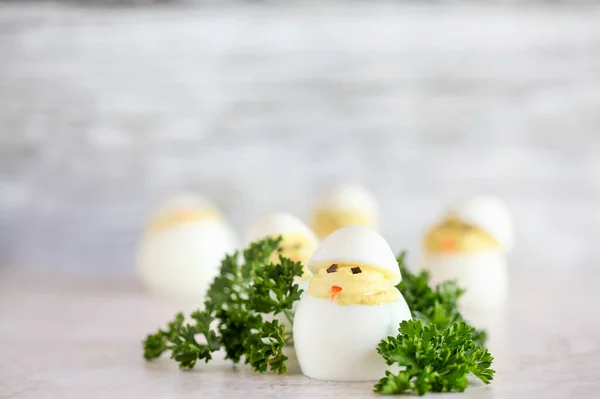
(107, 111)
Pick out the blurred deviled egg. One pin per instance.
(345, 205)
(298, 243)
(298, 240)
(350, 306)
(182, 247)
(469, 245)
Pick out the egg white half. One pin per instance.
(339, 343)
(484, 275)
(350, 197)
(279, 223)
(183, 260)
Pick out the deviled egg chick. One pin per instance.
(182, 247)
(345, 205)
(298, 241)
(469, 245)
(350, 306)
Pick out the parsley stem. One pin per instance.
(289, 338)
(289, 316)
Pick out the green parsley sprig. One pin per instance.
(238, 314)
(433, 359)
(433, 305)
(437, 350)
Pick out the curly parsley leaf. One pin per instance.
(265, 348)
(437, 306)
(180, 339)
(223, 286)
(235, 329)
(433, 359)
(156, 344)
(274, 290)
(239, 303)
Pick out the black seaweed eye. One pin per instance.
(356, 270)
(280, 249)
(332, 268)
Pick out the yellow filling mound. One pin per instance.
(369, 287)
(456, 236)
(326, 221)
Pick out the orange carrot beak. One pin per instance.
(448, 245)
(335, 292)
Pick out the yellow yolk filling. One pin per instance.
(181, 216)
(456, 236)
(370, 287)
(326, 221)
(298, 248)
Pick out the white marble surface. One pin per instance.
(261, 106)
(67, 337)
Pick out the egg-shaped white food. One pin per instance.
(359, 245)
(339, 343)
(491, 215)
(183, 246)
(345, 205)
(484, 276)
(469, 245)
(298, 243)
(337, 339)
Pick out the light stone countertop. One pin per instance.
(74, 337)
